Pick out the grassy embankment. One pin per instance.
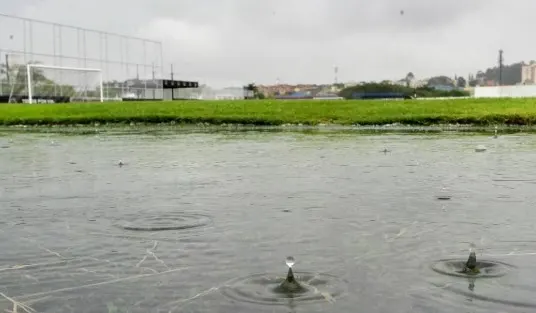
(274, 112)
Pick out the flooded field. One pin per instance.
(203, 222)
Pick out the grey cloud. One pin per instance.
(301, 40)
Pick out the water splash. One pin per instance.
(290, 261)
(471, 267)
(299, 287)
(472, 247)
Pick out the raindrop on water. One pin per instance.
(290, 261)
(472, 247)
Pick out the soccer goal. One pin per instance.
(47, 83)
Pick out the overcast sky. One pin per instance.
(302, 40)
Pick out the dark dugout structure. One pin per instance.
(170, 89)
(171, 85)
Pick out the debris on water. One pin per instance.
(120, 163)
(480, 148)
(443, 195)
(286, 210)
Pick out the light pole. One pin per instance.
(7, 67)
(501, 64)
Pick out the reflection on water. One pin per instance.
(163, 221)
(457, 267)
(190, 221)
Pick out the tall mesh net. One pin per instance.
(131, 67)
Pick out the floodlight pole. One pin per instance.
(154, 82)
(501, 65)
(101, 87)
(29, 74)
(172, 89)
(7, 70)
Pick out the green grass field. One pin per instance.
(277, 112)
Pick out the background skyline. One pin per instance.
(301, 41)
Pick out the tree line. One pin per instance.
(14, 81)
(387, 87)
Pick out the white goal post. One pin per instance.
(65, 72)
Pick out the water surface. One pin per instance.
(189, 218)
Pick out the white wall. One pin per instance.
(517, 91)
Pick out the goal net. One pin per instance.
(46, 83)
(13, 78)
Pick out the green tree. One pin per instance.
(409, 78)
(253, 91)
(421, 92)
(441, 80)
(511, 74)
(16, 79)
(461, 82)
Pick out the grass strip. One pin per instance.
(277, 112)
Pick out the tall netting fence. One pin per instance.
(131, 67)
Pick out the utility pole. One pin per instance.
(154, 82)
(7, 70)
(501, 60)
(172, 89)
(7, 63)
(335, 72)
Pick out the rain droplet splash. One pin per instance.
(163, 221)
(290, 261)
(263, 289)
(472, 247)
(466, 268)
